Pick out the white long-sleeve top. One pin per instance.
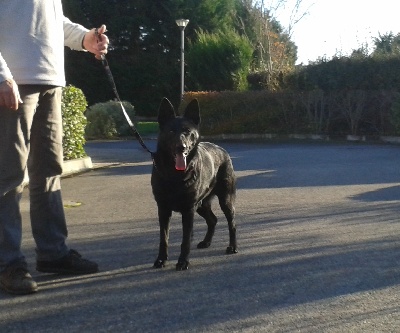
(33, 34)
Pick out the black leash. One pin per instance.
(114, 88)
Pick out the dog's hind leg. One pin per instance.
(164, 216)
(226, 204)
(205, 212)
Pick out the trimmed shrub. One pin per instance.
(106, 120)
(73, 107)
(395, 114)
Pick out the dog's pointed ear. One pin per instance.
(192, 112)
(165, 112)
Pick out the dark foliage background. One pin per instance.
(144, 53)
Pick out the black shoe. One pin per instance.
(72, 263)
(17, 280)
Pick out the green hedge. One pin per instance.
(340, 112)
(73, 107)
(333, 113)
(231, 112)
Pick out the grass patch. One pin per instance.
(147, 127)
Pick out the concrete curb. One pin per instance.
(77, 165)
(71, 167)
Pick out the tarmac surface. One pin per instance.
(318, 238)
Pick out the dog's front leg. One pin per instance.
(187, 227)
(164, 217)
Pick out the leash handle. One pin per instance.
(104, 62)
(110, 77)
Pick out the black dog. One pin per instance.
(186, 175)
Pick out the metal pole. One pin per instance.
(182, 61)
(182, 23)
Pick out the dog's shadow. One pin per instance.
(254, 179)
(381, 195)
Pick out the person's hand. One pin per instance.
(96, 44)
(9, 94)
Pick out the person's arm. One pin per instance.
(79, 38)
(5, 72)
(73, 35)
(9, 93)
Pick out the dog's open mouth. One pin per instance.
(180, 161)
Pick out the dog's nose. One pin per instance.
(181, 148)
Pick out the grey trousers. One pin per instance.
(31, 141)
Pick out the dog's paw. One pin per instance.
(182, 265)
(159, 263)
(231, 250)
(203, 245)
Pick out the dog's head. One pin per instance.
(178, 135)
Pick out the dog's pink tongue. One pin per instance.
(180, 162)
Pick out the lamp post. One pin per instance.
(182, 23)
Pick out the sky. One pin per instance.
(337, 27)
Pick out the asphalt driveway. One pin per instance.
(318, 236)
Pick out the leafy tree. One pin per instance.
(387, 44)
(220, 61)
(144, 53)
(208, 15)
(274, 53)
